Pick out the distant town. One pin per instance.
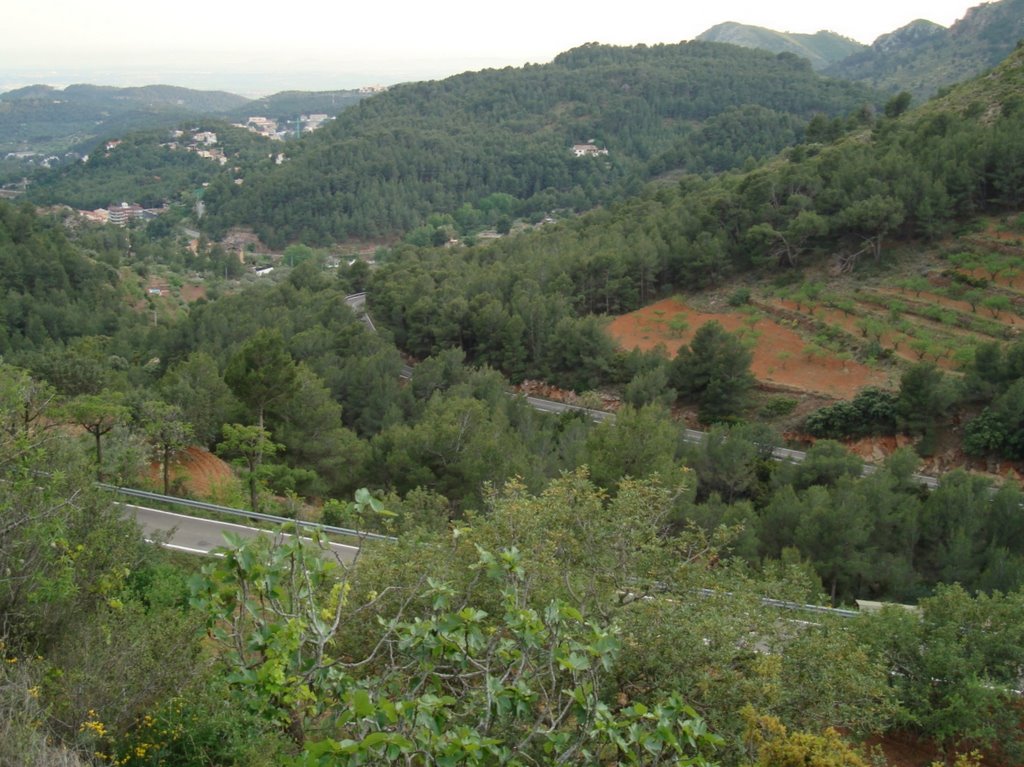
(278, 131)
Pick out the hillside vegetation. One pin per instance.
(46, 120)
(283, 379)
(923, 57)
(424, 148)
(150, 168)
(561, 590)
(50, 120)
(898, 177)
(920, 58)
(821, 49)
(289, 105)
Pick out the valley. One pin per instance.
(695, 235)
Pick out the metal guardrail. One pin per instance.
(785, 454)
(203, 505)
(782, 604)
(782, 454)
(357, 303)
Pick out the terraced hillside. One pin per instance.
(830, 336)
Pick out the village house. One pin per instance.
(212, 154)
(98, 216)
(312, 122)
(120, 215)
(261, 125)
(587, 150)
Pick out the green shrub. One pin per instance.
(777, 407)
(739, 297)
(872, 411)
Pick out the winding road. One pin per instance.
(196, 535)
(199, 535)
(357, 302)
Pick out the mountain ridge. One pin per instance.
(431, 147)
(44, 119)
(922, 57)
(821, 48)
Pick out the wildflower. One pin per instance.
(93, 725)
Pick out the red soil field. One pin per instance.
(200, 471)
(193, 292)
(849, 323)
(1004, 317)
(780, 353)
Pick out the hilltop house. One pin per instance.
(587, 150)
(120, 215)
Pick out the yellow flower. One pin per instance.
(94, 726)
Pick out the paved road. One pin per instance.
(358, 303)
(695, 437)
(200, 536)
(550, 406)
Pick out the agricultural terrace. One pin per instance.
(832, 338)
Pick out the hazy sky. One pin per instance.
(343, 44)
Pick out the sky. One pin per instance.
(256, 47)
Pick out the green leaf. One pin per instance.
(575, 662)
(374, 738)
(362, 704)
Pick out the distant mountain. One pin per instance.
(996, 94)
(152, 97)
(42, 119)
(48, 120)
(924, 57)
(920, 58)
(287, 105)
(31, 93)
(821, 49)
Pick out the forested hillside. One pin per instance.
(821, 49)
(636, 583)
(561, 590)
(923, 57)
(910, 176)
(52, 291)
(43, 120)
(149, 167)
(290, 105)
(424, 148)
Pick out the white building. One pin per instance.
(587, 150)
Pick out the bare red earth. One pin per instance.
(193, 292)
(781, 356)
(199, 472)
